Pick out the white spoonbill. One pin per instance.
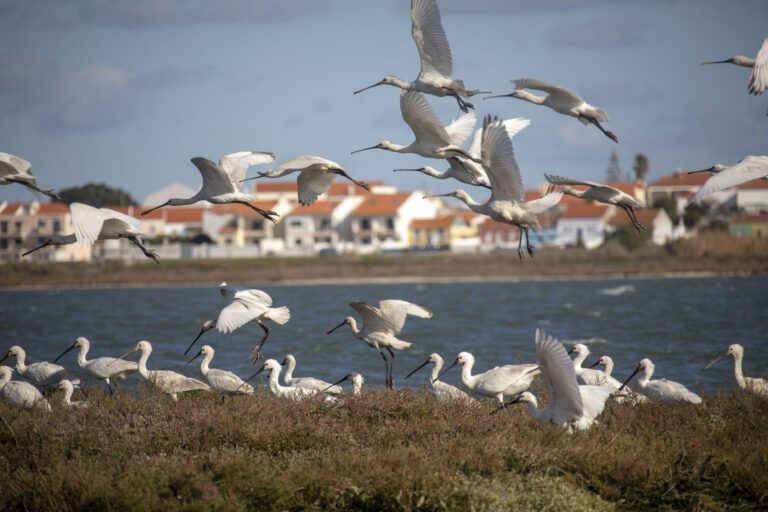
(20, 394)
(586, 375)
(315, 176)
(108, 369)
(170, 383)
(14, 169)
(569, 405)
(246, 304)
(607, 363)
(663, 390)
(93, 224)
(507, 193)
(443, 391)
(221, 380)
(435, 55)
(499, 382)
(468, 171)
(432, 139)
(747, 169)
(356, 379)
(755, 385)
(221, 183)
(280, 391)
(43, 374)
(69, 388)
(289, 362)
(602, 194)
(382, 325)
(758, 81)
(561, 100)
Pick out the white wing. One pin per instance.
(750, 168)
(513, 127)
(461, 128)
(758, 82)
(562, 180)
(558, 373)
(594, 398)
(87, 221)
(215, 180)
(429, 36)
(11, 165)
(544, 203)
(554, 90)
(499, 162)
(127, 219)
(236, 164)
(247, 295)
(237, 314)
(500, 379)
(395, 312)
(300, 163)
(312, 184)
(422, 120)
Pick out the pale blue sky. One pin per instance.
(127, 91)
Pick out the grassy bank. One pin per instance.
(714, 254)
(381, 451)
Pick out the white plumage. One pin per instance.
(663, 390)
(307, 382)
(221, 380)
(588, 376)
(290, 392)
(20, 394)
(43, 375)
(109, 369)
(758, 80)
(443, 391)
(754, 385)
(68, 388)
(14, 169)
(749, 168)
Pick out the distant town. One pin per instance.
(349, 220)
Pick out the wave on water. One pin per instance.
(618, 290)
(585, 312)
(585, 341)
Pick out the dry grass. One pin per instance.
(383, 451)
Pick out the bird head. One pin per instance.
(79, 342)
(14, 351)
(734, 350)
(288, 359)
(387, 80)
(580, 350)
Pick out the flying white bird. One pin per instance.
(443, 391)
(758, 81)
(290, 392)
(315, 176)
(69, 388)
(43, 374)
(14, 169)
(246, 305)
(306, 382)
(506, 203)
(496, 383)
(663, 390)
(382, 325)
(561, 100)
(569, 405)
(755, 385)
(221, 183)
(108, 369)
(435, 54)
(221, 380)
(93, 224)
(749, 168)
(20, 394)
(170, 383)
(432, 139)
(601, 194)
(468, 171)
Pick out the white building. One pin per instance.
(584, 225)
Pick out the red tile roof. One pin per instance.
(584, 211)
(682, 179)
(52, 209)
(381, 204)
(754, 184)
(750, 219)
(184, 215)
(317, 208)
(337, 188)
(267, 185)
(444, 222)
(645, 217)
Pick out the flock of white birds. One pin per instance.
(575, 395)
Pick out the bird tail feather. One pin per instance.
(279, 315)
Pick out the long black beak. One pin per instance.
(422, 365)
(592, 366)
(364, 149)
(46, 244)
(630, 378)
(380, 82)
(6, 356)
(156, 208)
(714, 361)
(499, 96)
(124, 356)
(340, 325)
(428, 196)
(726, 61)
(198, 355)
(255, 374)
(399, 170)
(445, 371)
(64, 353)
(570, 350)
(284, 362)
(202, 331)
(261, 175)
(710, 169)
(344, 379)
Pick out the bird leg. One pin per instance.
(256, 352)
(109, 388)
(520, 243)
(149, 254)
(391, 368)
(360, 184)
(267, 214)
(608, 134)
(528, 241)
(386, 365)
(631, 214)
(50, 193)
(464, 105)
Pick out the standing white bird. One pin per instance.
(747, 169)
(601, 194)
(443, 391)
(496, 383)
(356, 379)
(561, 100)
(93, 224)
(569, 405)
(382, 325)
(280, 391)
(246, 304)
(14, 169)
(506, 203)
(432, 139)
(306, 382)
(170, 383)
(468, 171)
(43, 374)
(20, 394)
(607, 364)
(221, 183)
(758, 81)
(586, 375)
(315, 176)
(435, 55)
(69, 388)
(752, 384)
(221, 380)
(663, 390)
(108, 369)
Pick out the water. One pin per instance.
(681, 324)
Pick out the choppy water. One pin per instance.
(679, 323)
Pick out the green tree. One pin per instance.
(641, 167)
(97, 195)
(669, 205)
(693, 214)
(613, 172)
(630, 238)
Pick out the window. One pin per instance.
(366, 240)
(390, 223)
(325, 224)
(257, 225)
(18, 225)
(296, 224)
(297, 241)
(56, 226)
(4, 226)
(365, 224)
(3, 243)
(41, 223)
